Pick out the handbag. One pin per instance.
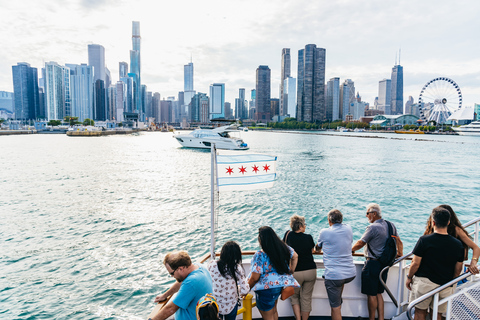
(286, 293)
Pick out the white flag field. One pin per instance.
(237, 172)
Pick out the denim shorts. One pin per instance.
(266, 298)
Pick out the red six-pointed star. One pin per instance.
(229, 170)
(243, 170)
(266, 168)
(255, 168)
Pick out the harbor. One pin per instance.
(87, 223)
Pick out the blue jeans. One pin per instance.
(231, 316)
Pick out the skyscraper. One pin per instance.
(397, 90)
(135, 69)
(290, 96)
(96, 59)
(25, 92)
(241, 111)
(262, 89)
(57, 91)
(81, 91)
(217, 101)
(347, 96)
(311, 84)
(333, 99)
(285, 67)
(408, 105)
(188, 91)
(122, 70)
(385, 96)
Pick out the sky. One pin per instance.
(227, 40)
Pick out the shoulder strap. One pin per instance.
(286, 236)
(390, 233)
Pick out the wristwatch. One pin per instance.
(408, 277)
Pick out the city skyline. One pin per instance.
(361, 41)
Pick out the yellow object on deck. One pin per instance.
(247, 307)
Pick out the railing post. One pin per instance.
(247, 307)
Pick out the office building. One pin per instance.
(122, 69)
(285, 73)
(241, 111)
(156, 106)
(25, 92)
(385, 96)
(311, 84)
(397, 90)
(188, 89)
(100, 109)
(333, 99)
(408, 105)
(57, 91)
(290, 97)
(274, 107)
(96, 59)
(262, 92)
(228, 110)
(7, 101)
(81, 91)
(347, 96)
(120, 100)
(217, 101)
(135, 70)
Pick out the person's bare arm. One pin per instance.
(293, 262)
(413, 269)
(254, 277)
(173, 289)
(166, 311)
(358, 245)
(476, 250)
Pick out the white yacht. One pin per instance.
(203, 138)
(471, 129)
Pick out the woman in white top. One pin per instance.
(229, 282)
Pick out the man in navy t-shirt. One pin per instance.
(437, 260)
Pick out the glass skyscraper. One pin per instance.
(347, 96)
(262, 91)
(397, 90)
(311, 84)
(25, 92)
(217, 101)
(135, 68)
(385, 96)
(290, 96)
(188, 92)
(57, 91)
(81, 91)
(285, 67)
(333, 99)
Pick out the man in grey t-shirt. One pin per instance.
(374, 238)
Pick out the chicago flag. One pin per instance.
(245, 171)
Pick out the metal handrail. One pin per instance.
(434, 291)
(395, 302)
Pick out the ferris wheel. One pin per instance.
(438, 99)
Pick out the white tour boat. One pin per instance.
(204, 138)
(471, 129)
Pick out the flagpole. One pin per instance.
(213, 152)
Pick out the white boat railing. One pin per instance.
(401, 293)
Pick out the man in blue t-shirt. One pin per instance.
(437, 259)
(193, 282)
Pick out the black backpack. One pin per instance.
(389, 250)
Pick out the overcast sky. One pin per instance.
(228, 40)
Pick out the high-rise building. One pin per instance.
(347, 96)
(96, 59)
(7, 101)
(262, 91)
(241, 111)
(228, 110)
(197, 102)
(385, 96)
(81, 91)
(100, 110)
(408, 105)
(111, 110)
(333, 99)
(188, 91)
(290, 96)
(217, 100)
(311, 84)
(122, 69)
(128, 93)
(57, 91)
(274, 107)
(156, 106)
(120, 100)
(397, 90)
(165, 111)
(285, 73)
(135, 69)
(25, 91)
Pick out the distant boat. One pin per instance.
(203, 139)
(411, 131)
(471, 129)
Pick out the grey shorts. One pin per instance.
(334, 291)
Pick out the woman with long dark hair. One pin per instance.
(228, 280)
(271, 270)
(456, 230)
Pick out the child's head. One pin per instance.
(207, 308)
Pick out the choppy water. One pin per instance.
(85, 222)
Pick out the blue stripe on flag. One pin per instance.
(244, 158)
(229, 181)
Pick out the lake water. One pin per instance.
(85, 222)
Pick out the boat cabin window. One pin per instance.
(224, 134)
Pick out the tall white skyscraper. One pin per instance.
(81, 91)
(96, 59)
(57, 91)
(188, 91)
(290, 96)
(285, 69)
(385, 96)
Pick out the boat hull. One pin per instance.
(226, 144)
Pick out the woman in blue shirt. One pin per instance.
(271, 270)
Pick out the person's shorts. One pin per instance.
(371, 284)
(266, 298)
(334, 291)
(420, 286)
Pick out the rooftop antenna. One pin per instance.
(191, 58)
(395, 58)
(399, 54)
